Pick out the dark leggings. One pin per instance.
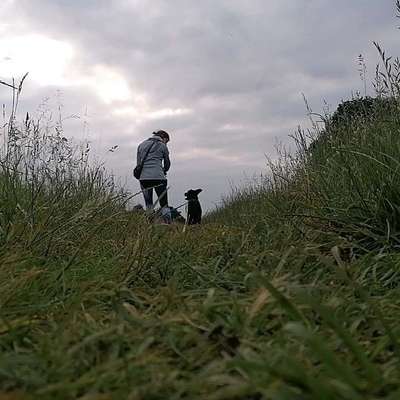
(160, 186)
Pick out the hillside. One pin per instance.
(289, 291)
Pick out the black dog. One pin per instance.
(194, 207)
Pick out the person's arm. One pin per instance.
(167, 161)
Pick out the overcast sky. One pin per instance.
(224, 77)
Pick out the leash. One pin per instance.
(176, 208)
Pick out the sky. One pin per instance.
(225, 78)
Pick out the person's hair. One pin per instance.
(162, 135)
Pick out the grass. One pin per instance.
(288, 291)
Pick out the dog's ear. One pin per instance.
(192, 194)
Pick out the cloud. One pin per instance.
(224, 77)
(46, 58)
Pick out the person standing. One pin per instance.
(153, 155)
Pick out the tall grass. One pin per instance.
(343, 181)
(48, 185)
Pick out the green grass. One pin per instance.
(288, 291)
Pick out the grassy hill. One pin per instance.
(288, 291)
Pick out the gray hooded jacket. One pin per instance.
(157, 162)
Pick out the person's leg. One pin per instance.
(162, 194)
(161, 190)
(147, 190)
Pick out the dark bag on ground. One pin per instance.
(138, 169)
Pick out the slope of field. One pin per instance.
(289, 291)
